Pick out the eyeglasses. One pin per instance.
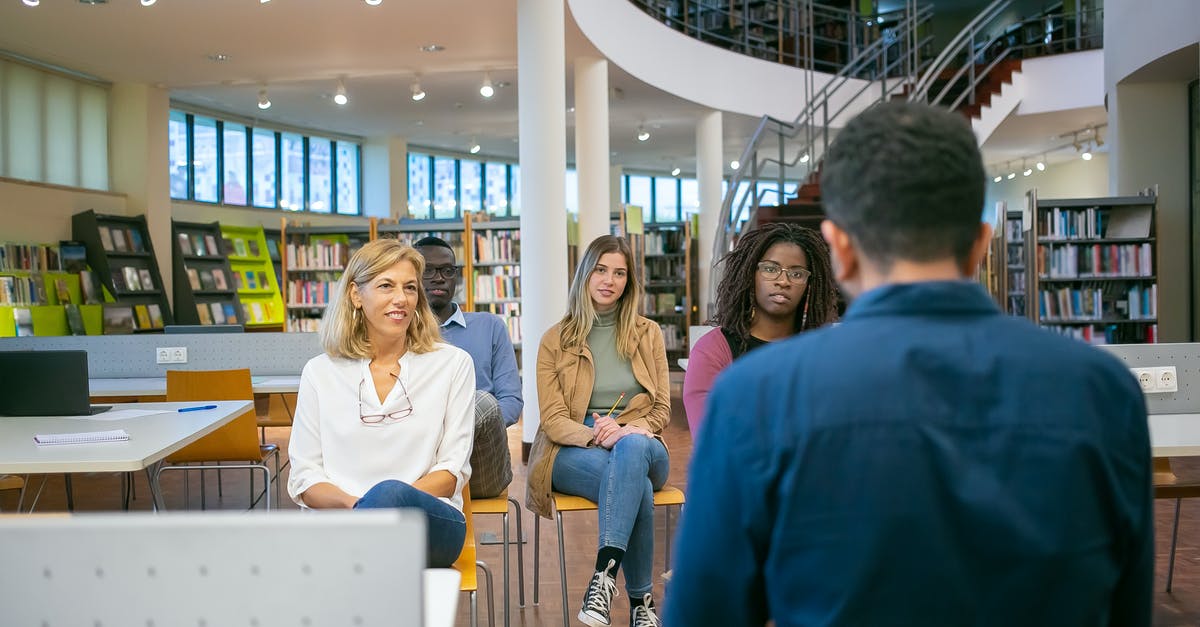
(376, 420)
(447, 272)
(771, 271)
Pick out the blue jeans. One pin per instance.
(445, 526)
(622, 482)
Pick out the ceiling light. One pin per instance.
(417, 93)
(1087, 154)
(642, 134)
(340, 96)
(263, 1)
(1041, 165)
(374, 3)
(147, 3)
(997, 179)
(733, 165)
(1011, 175)
(263, 101)
(486, 89)
(432, 48)
(218, 57)
(1096, 134)
(570, 109)
(1027, 171)
(31, 3)
(474, 147)
(675, 172)
(804, 158)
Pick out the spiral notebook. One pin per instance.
(88, 437)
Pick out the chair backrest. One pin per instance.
(214, 568)
(237, 440)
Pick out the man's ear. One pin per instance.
(979, 249)
(842, 251)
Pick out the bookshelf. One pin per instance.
(203, 281)
(39, 297)
(670, 280)
(121, 253)
(313, 261)
(1015, 282)
(1094, 269)
(494, 271)
(254, 277)
(273, 239)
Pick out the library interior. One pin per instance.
(199, 202)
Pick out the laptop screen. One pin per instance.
(44, 383)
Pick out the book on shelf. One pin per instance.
(142, 316)
(120, 244)
(74, 319)
(146, 280)
(133, 281)
(23, 318)
(230, 313)
(106, 240)
(204, 313)
(61, 291)
(193, 278)
(210, 244)
(198, 245)
(118, 319)
(273, 248)
(219, 281)
(252, 244)
(206, 280)
(89, 287)
(156, 318)
(185, 243)
(39, 296)
(239, 247)
(135, 241)
(218, 313)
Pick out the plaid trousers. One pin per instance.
(491, 468)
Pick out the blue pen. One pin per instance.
(200, 408)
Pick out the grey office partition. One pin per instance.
(1185, 358)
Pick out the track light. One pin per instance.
(487, 90)
(1041, 164)
(1027, 172)
(31, 3)
(147, 3)
(998, 179)
(340, 95)
(263, 101)
(675, 172)
(642, 134)
(1096, 134)
(418, 94)
(474, 149)
(733, 165)
(374, 3)
(1011, 175)
(804, 158)
(1087, 154)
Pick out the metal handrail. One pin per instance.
(964, 37)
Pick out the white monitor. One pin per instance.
(216, 568)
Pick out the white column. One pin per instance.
(541, 116)
(139, 165)
(591, 146)
(385, 177)
(710, 166)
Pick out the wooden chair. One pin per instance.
(666, 497)
(499, 505)
(263, 409)
(1168, 486)
(466, 565)
(13, 482)
(236, 441)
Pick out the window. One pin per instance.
(264, 168)
(419, 182)
(291, 174)
(233, 191)
(444, 187)
(689, 197)
(177, 151)
(320, 175)
(347, 179)
(666, 199)
(496, 199)
(639, 195)
(514, 185)
(572, 187)
(470, 174)
(204, 158)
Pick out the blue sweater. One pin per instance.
(930, 461)
(485, 338)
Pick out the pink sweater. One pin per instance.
(708, 358)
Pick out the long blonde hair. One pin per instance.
(581, 313)
(344, 332)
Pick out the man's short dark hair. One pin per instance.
(433, 241)
(906, 181)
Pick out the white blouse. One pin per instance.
(330, 443)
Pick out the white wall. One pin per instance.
(1063, 81)
(247, 216)
(35, 212)
(1137, 32)
(1069, 179)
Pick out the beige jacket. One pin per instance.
(565, 377)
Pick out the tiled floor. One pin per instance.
(102, 492)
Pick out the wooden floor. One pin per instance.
(98, 492)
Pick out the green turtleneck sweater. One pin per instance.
(614, 374)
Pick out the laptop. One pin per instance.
(45, 383)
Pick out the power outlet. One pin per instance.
(1166, 379)
(1145, 378)
(170, 354)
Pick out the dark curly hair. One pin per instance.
(735, 293)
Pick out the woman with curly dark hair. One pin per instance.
(778, 282)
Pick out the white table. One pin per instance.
(157, 386)
(151, 439)
(441, 596)
(1175, 435)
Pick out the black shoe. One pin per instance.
(643, 615)
(598, 598)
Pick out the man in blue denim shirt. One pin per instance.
(929, 461)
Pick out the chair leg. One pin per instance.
(70, 492)
(562, 570)
(474, 610)
(507, 572)
(220, 493)
(487, 577)
(1174, 537)
(520, 554)
(537, 537)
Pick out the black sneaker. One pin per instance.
(643, 615)
(598, 598)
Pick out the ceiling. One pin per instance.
(298, 49)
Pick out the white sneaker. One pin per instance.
(643, 615)
(598, 597)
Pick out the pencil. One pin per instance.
(614, 407)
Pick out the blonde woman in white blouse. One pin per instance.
(385, 417)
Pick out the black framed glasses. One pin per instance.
(376, 420)
(771, 271)
(446, 272)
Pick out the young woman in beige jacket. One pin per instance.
(604, 397)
